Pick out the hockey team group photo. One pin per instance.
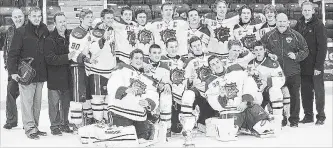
(166, 73)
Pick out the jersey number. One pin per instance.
(75, 46)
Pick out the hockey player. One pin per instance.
(196, 71)
(246, 28)
(168, 27)
(79, 41)
(238, 54)
(270, 12)
(177, 76)
(131, 95)
(101, 49)
(125, 37)
(237, 90)
(145, 37)
(271, 72)
(160, 72)
(197, 28)
(222, 28)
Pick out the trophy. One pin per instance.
(188, 122)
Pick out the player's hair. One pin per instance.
(234, 42)
(217, 2)
(106, 11)
(192, 9)
(34, 9)
(211, 58)
(137, 12)
(258, 43)
(241, 9)
(168, 4)
(307, 3)
(170, 40)
(270, 8)
(154, 46)
(58, 14)
(84, 13)
(193, 39)
(134, 52)
(124, 9)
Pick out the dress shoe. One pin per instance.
(306, 120)
(33, 136)
(320, 122)
(9, 126)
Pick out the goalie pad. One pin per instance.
(109, 136)
(75, 112)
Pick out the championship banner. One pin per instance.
(328, 66)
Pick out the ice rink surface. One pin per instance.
(306, 135)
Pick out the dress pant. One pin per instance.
(31, 101)
(313, 87)
(59, 101)
(293, 83)
(11, 107)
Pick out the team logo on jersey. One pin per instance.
(167, 34)
(222, 34)
(231, 90)
(203, 72)
(257, 80)
(177, 76)
(131, 37)
(140, 85)
(289, 39)
(248, 41)
(145, 36)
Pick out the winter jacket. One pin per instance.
(315, 35)
(8, 41)
(56, 56)
(281, 44)
(28, 41)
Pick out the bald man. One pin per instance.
(12, 87)
(290, 48)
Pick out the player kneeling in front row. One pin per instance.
(131, 95)
(232, 89)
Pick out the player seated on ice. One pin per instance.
(196, 71)
(231, 88)
(131, 95)
(263, 68)
(160, 73)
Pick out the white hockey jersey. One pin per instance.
(174, 29)
(160, 72)
(202, 32)
(223, 31)
(235, 83)
(199, 67)
(102, 50)
(125, 39)
(177, 75)
(145, 38)
(245, 33)
(270, 71)
(79, 41)
(263, 29)
(127, 105)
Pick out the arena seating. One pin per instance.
(202, 8)
(257, 7)
(329, 10)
